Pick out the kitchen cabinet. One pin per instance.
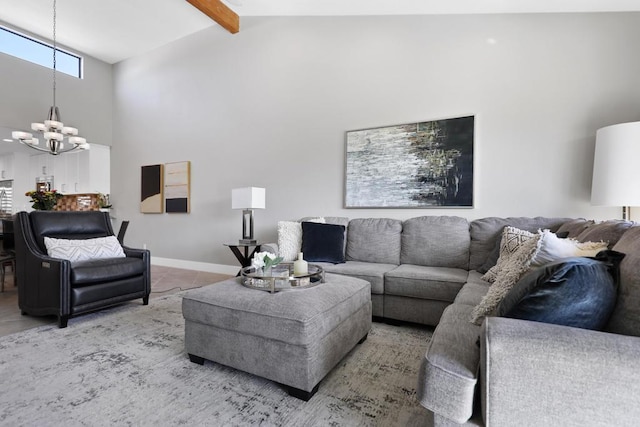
(85, 171)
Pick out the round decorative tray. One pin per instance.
(281, 278)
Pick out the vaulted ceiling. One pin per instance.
(113, 30)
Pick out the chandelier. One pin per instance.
(58, 138)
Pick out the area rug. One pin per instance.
(127, 366)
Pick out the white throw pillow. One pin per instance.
(290, 238)
(552, 248)
(84, 249)
(512, 239)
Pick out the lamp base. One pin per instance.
(248, 241)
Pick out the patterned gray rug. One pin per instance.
(127, 366)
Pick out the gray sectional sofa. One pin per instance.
(507, 371)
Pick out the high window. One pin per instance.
(39, 52)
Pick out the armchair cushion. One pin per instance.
(105, 270)
(84, 249)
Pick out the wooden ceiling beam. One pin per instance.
(219, 12)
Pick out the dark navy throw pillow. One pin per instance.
(579, 292)
(323, 242)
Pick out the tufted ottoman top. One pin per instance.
(299, 317)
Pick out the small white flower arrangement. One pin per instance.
(265, 260)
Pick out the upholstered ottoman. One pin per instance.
(291, 337)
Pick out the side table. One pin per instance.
(244, 257)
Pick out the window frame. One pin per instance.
(78, 73)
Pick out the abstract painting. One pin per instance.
(416, 165)
(151, 200)
(177, 187)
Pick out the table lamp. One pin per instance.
(247, 199)
(616, 167)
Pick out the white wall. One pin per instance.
(26, 93)
(270, 106)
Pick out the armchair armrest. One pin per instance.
(556, 375)
(145, 255)
(136, 253)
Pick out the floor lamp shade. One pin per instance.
(248, 199)
(616, 166)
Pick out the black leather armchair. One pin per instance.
(52, 286)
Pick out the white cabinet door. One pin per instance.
(6, 166)
(94, 169)
(73, 174)
(42, 165)
(60, 178)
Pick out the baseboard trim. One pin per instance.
(195, 265)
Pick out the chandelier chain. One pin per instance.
(54, 53)
(58, 137)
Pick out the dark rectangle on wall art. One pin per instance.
(151, 186)
(177, 187)
(416, 165)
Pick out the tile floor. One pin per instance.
(164, 280)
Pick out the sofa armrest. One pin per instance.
(269, 247)
(556, 375)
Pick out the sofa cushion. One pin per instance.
(323, 242)
(105, 270)
(371, 272)
(492, 258)
(449, 371)
(485, 231)
(625, 318)
(374, 240)
(435, 241)
(578, 292)
(473, 291)
(574, 227)
(607, 231)
(416, 281)
(84, 249)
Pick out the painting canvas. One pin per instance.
(418, 165)
(151, 200)
(177, 187)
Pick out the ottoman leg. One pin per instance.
(302, 394)
(363, 339)
(196, 359)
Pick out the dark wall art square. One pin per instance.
(416, 165)
(151, 186)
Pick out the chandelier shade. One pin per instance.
(58, 137)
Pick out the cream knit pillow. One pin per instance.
(290, 238)
(512, 239)
(512, 269)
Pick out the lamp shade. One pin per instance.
(616, 172)
(248, 198)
